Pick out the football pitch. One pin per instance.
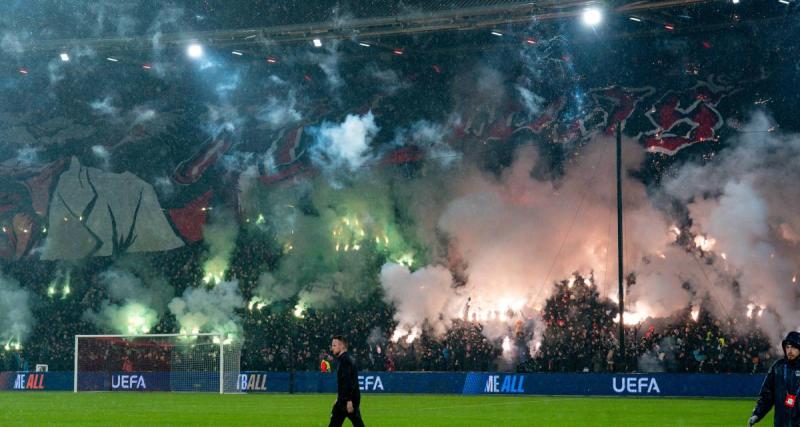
(189, 409)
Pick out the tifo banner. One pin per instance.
(694, 385)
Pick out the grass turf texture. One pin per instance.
(188, 409)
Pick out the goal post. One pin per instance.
(156, 362)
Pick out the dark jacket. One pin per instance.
(783, 378)
(347, 380)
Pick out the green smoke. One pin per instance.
(334, 239)
(136, 298)
(201, 310)
(220, 237)
(131, 318)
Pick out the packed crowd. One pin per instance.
(577, 331)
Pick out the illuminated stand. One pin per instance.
(157, 362)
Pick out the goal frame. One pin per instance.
(219, 337)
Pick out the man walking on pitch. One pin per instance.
(348, 400)
(782, 387)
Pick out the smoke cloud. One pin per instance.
(432, 137)
(11, 43)
(532, 102)
(389, 81)
(329, 64)
(511, 237)
(220, 237)
(334, 240)
(270, 290)
(26, 156)
(201, 310)
(105, 107)
(280, 112)
(16, 317)
(134, 305)
(142, 114)
(745, 202)
(344, 145)
(103, 154)
(421, 296)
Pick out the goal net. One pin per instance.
(159, 362)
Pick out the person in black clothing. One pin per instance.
(348, 400)
(782, 387)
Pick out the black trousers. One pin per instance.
(339, 413)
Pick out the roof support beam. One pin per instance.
(362, 29)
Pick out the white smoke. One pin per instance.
(167, 20)
(280, 112)
(164, 186)
(226, 83)
(480, 89)
(431, 137)
(657, 292)
(142, 114)
(221, 118)
(57, 67)
(329, 61)
(747, 200)
(344, 145)
(201, 310)
(112, 15)
(514, 236)
(103, 154)
(16, 318)
(55, 71)
(12, 43)
(27, 156)
(421, 296)
(105, 107)
(532, 102)
(238, 161)
(518, 235)
(389, 80)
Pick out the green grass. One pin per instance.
(187, 409)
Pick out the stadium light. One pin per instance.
(110, 59)
(635, 19)
(783, 1)
(64, 56)
(317, 43)
(194, 51)
(592, 16)
(237, 53)
(735, 1)
(497, 33)
(364, 44)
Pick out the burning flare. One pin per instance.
(704, 243)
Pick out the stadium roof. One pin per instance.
(229, 24)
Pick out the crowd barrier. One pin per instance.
(468, 383)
